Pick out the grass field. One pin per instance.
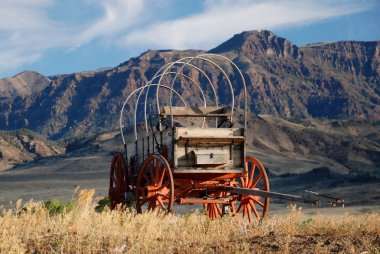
(31, 228)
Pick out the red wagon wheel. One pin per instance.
(155, 185)
(256, 178)
(118, 187)
(213, 210)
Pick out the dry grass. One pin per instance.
(82, 230)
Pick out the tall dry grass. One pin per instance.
(30, 229)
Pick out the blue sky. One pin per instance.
(66, 36)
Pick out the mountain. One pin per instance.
(24, 145)
(24, 84)
(325, 80)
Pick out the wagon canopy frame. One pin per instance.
(186, 62)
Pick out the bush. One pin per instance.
(103, 203)
(54, 206)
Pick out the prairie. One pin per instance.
(31, 228)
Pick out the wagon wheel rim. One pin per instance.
(256, 178)
(155, 185)
(117, 187)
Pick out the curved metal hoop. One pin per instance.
(146, 96)
(125, 103)
(217, 66)
(202, 57)
(184, 62)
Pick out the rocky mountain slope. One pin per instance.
(24, 145)
(328, 80)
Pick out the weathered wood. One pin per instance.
(317, 197)
(200, 170)
(196, 111)
(228, 140)
(204, 141)
(307, 196)
(207, 132)
(210, 157)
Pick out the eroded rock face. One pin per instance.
(24, 145)
(334, 80)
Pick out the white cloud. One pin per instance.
(119, 15)
(221, 19)
(29, 28)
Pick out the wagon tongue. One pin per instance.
(307, 197)
(317, 198)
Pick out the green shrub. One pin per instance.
(54, 206)
(103, 203)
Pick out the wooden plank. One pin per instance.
(210, 157)
(227, 140)
(306, 197)
(186, 170)
(185, 157)
(196, 111)
(207, 132)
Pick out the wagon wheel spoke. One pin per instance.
(249, 213)
(254, 183)
(165, 184)
(146, 178)
(219, 210)
(157, 172)
(252, 174)
(150, 167)
(161, 203)
(258, 202)
(215, 211)
(212, 213)
(163, 195)
(162, 175)
(242, 182)
(209, 211)
(150, 206)
(244, 210)
(240, 206)
(254, 209)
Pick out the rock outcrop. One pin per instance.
(327, 80)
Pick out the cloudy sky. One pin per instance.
(65, 36)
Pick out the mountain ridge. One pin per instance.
(334, 80)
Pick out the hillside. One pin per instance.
(24, 145)
(327, 80)
(338, 157)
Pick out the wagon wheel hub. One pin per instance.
(154, 191)
(155, 185)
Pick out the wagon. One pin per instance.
(191, 149)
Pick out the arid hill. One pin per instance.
(24, 145)
(326, 80)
